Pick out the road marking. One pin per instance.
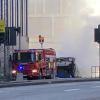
(71, 90)
(96, 87)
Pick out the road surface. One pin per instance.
(66, 91)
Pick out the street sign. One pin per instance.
(2, 26)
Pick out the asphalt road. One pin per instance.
(66, 91)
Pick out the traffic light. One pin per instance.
(10, 38)
(97, 35)
(41, 39)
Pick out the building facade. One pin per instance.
(15, 14)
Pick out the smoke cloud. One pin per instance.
(68, 26)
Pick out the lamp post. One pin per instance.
(97, 39)
(99, 60)
(99, 50)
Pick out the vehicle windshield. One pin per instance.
(61, 59)
(67, 59)
(23, 57)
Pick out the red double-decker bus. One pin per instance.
(34, 63)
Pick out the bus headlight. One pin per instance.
(34, 71)
(13, 71)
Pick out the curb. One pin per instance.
(43, 82)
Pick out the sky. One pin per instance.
(68, 27)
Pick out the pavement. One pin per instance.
(62, 91)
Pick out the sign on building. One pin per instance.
(2, 26)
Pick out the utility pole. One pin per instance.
(3, 17)
(97, 39)
(99, 50)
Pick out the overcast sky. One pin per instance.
(68, 27)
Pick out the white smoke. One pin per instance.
(73, 28)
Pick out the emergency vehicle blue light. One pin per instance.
(20, 67)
